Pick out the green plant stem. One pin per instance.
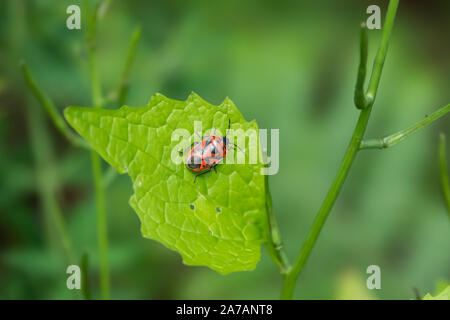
(41, 145)
(85, 288)
(97, 101)
(109, 175)
(96, 88)
(352, 149)
(381, 54)
(275, 244)
(444, 170)
(121, 93)
(46, 179)
(102, 228)
(122, 90)
(391, 140)
(51, 110)
(47, 183)
(360, 98)
(327, 204)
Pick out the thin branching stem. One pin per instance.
(360, 97)
(444, 171)
(46, 181)
(48, 105)
(102, 228)
(291, 277)
(275, 244)
(85, 287)
(96, 87)
(122, 90)
(97, 101)
(391, 140)
(109, 175)
(381, 54)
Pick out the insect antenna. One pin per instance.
(236, 146)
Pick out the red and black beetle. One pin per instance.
(205, 155)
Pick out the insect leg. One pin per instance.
(199, 174)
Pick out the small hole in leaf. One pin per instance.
(192, 207)
(218, 209)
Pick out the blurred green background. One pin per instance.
(289, 65)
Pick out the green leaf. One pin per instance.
(444, 295)
(219, 221)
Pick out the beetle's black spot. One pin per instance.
(192, 207)
(194, 162)
(218, 209)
